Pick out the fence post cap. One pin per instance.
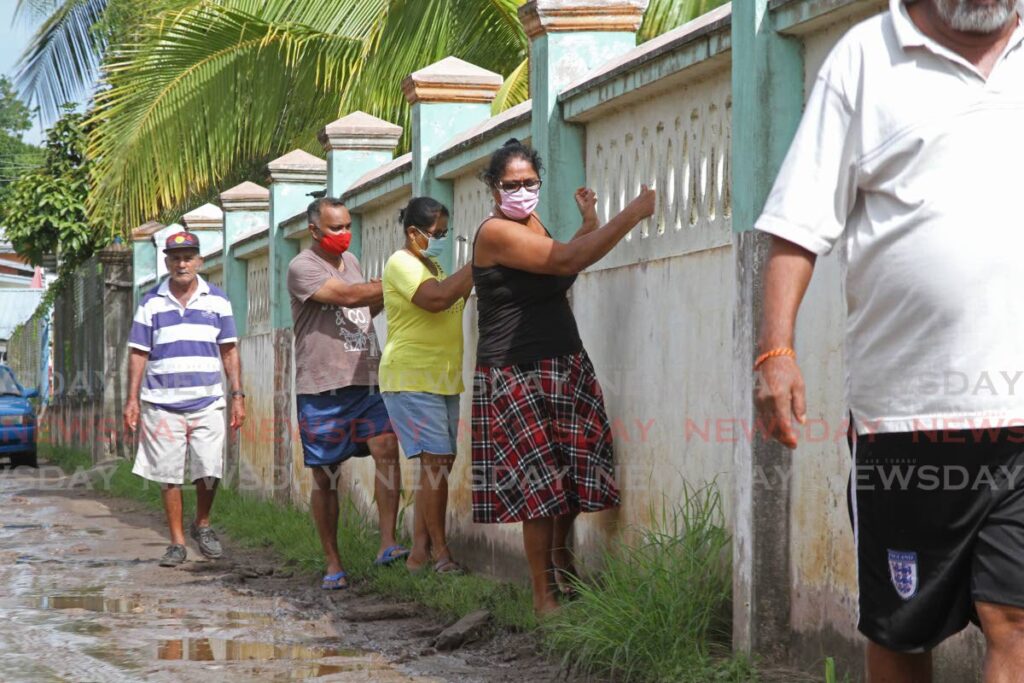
(145, 232)
(298, 166)
(360, 130)
(247, 191)
(206, 217)
(452, 80)
(548, 16)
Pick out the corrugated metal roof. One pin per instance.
(17, 306)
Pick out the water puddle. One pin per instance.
(90, 603)
(84, 628)
(224, 650)
(238, 619)
(301, 659)
(93, 601)
(278, 661)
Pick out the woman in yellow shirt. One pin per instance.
(421, 369)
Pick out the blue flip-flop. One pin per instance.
(334, 582)
(391, 554)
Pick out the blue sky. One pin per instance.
(14, 39)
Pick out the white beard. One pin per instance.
(963, 15)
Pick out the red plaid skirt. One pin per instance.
(542, 446)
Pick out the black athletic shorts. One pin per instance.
(938, 519)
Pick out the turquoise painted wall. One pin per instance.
(558, 59)
(236, 272)
(433, 125)
(767, 86)
(345, 167)
(286, 199)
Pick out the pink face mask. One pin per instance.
(520, 203)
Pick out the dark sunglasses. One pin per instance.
(531, 184)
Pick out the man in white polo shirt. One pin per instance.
(182, 333)
(908, 158)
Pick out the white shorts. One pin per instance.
(166, 437)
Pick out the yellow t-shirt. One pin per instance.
(423, 350)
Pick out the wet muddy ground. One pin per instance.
(83, 600)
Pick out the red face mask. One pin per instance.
(336, 244)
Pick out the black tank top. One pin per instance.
(523, 317)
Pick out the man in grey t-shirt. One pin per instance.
(340, 411)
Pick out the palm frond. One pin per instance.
(215, 90)
(34, 10)
(665, 15)
(514, 90)
(225, 84)
(62, 61)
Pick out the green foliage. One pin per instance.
(658, 612)
(15, 116)
(44, 211)
(166, 134)
(16, 157)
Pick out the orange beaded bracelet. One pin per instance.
(774, 353)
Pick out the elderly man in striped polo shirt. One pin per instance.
(182, 332)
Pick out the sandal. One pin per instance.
(447, 565)
(335, 582)
(391, 554)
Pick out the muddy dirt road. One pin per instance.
(83, 600)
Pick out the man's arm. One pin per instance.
(780, 391)
(349, 295)
(233, 369)
(136, 366)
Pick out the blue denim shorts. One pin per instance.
(336, 425)
(424, 423)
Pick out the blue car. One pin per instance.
(17, 420)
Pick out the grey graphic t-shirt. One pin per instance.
(335, 347)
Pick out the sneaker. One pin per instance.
(174, 556)
(206, 539)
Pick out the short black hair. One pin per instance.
(421, 212)
(313, 210)
(512, 149)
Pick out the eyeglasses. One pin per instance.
(531, 185)
(440, 235)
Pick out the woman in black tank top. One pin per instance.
(542, 448)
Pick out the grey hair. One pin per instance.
(313, 210)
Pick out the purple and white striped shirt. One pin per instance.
(183, 373)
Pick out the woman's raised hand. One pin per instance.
(586, 202)
(644, 204)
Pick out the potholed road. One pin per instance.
(83, 600)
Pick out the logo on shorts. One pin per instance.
(903, 572)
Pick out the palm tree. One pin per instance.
(196, 94)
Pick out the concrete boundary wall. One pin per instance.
(705, 113)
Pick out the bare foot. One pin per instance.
(416, 560)
(547, 609)
(546, 604)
